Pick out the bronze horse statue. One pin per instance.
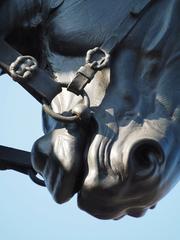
(122, 156)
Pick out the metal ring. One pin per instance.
(25, 73)
(33, 175)
(97, 64)
(62, 118)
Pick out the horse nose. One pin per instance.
(145, 156)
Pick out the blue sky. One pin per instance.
(27, 211)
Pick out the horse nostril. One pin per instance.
(145, 157)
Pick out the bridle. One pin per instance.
(25, 71)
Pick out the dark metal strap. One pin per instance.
(140, 6)
(87, 72)
(126, 26)
(18, 160)
(40, 85)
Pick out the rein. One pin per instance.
(25, 71)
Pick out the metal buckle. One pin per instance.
(102, 62)
(23, 67)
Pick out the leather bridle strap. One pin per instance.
(86, 73)
(18, 160)
(126, 26)
(40, 85)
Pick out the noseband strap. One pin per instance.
(18, 160)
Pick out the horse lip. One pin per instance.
(137, 212)
(90, 208)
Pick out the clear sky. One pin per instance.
(27, 211)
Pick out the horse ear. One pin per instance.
(55, 3)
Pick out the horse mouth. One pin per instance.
(97, 168)
(102, 187)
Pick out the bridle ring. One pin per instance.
(63, 118)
